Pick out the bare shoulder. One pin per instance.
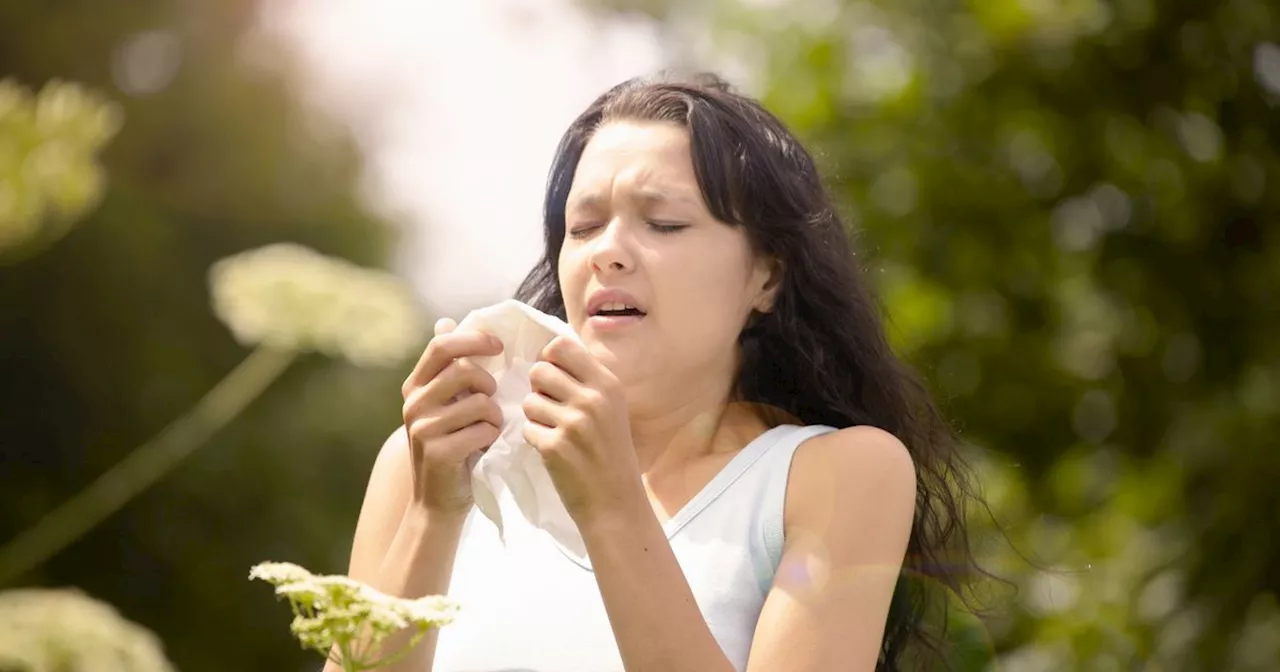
(861, 449)
(393, 456)
(849, 510)
(390, 482)
(838, 474)
(388, 492)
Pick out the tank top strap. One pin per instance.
(773, 499)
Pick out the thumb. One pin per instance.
(445, 325)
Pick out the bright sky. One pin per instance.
(459, 106)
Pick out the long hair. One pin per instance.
(821, 355)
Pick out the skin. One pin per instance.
(633, 422)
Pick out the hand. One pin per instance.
(578, 423)
(450, 416)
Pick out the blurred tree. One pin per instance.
(109, 335)
(1071, 210)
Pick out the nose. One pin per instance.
(612, 250)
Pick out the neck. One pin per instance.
(676, 424)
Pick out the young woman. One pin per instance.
(746, 460)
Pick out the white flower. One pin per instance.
(62, 630)
(69, 111)
(49, 175)
(277, 573)
(432, 608)
(376, 322)
(290, 297)
(338, 612)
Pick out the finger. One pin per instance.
(541, 410)
(432, 427)
(459, 377)
(572, 357)
(466, 412)
(445, 325)
(552, 381)
(538, 436)
(458, 380)
(471, 439)
(443, 349)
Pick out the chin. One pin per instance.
(622, 364)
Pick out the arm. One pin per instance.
(400, 548)
(655, 620)
(849, 509)
(419, 493)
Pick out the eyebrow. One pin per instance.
(649, 196)
(653, 196)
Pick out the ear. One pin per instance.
(770, 271)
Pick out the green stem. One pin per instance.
(145, 465)
(348, 665)
(403, 653)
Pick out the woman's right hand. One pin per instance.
(450, 416)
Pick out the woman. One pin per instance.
(745, 458)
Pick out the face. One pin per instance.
(638, 234)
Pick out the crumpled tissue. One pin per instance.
(511, 466)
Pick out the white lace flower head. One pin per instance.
(288, 296)
(49, 174)
(64, 630)
(337, 612)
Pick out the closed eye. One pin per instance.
(666, 228)
(580, 231)
(583, 230)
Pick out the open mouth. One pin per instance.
(628, 312)
(618, 310)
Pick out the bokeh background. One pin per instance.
(241, 217)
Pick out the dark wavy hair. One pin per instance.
(820, 356)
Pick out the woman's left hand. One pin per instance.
(578, 422)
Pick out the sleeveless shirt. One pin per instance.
(530, 606)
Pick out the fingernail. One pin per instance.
(495, 341)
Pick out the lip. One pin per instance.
(608, 323)
(602, 296)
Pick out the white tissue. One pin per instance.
(511, 466)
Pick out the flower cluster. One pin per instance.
(338, 614)
(64, 630)
(290, 297)
(49, 175)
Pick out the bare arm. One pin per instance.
(401, 548)
(419, 493)
(849, 509)
(651, 608)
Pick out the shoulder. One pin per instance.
(392, 456)
(388, 493)
(849, 509)
(840, 476)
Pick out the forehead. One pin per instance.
(635, 154)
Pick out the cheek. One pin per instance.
(719, 281)
(708, 304)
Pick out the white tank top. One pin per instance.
(532, 607)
